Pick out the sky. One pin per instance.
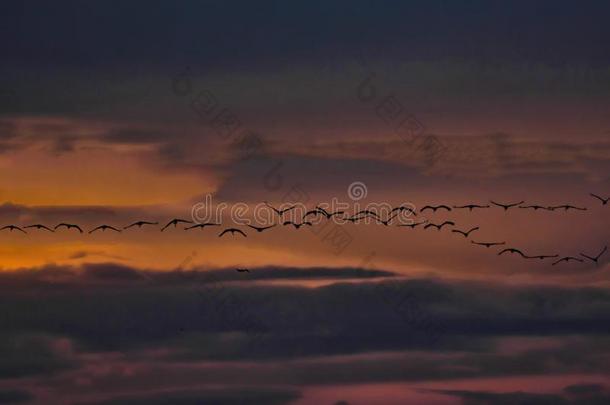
(114, 112)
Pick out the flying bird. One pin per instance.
(260, 228)
(439, 227)
(403, 208)
(506, 206)
(314, 212)
(233, 231)
(103, 228)
(366, 213)
(12, 228)
(512, 251)
(201, 225)
(435, 208)
(69, 226)
(175, 222)
(566, 207)
(39, 226)
(603, 200)
(297, 226)
(387, 221)
(567, 259)
(535, 207)
(471, 206)
(280, 212)
(596, 258)
(139, 224)
(327, 214)
(243, 270)
(465, 233)
(488, 244)
(413, 225)
(541, 257)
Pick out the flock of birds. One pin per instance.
(359, 216)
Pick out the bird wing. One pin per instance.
(588, 257)
(519, 252)
(559, 261)
(166, 226)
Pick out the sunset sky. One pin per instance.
(114, 112)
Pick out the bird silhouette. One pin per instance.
(535, 207)
(568, 259)
(541, 257)
(471, 206)
(39, 226)
(387, 221)
(603, 200)
(466, 233)
(202, 226)
(355, 219)
(566, 207)
(139, 224)
(69, 226)
(366, 213)
(175, 222)
(103, 228)
(507, 206)
(280, 212)
(242, 270)
(439, 227)
(12, 228)
(512, 251)
(233, 231)
(297, 226)
(261, 228)
(403, 208)
(435, 208)
(314, 212)
(327, 214)
(595, 258)
(414, 225)
(488, 244)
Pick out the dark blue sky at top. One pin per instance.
(247, 34)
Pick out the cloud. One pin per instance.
(15, 396)
(27, 354)
(233, 396)
(578, 395)
(107, 306)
